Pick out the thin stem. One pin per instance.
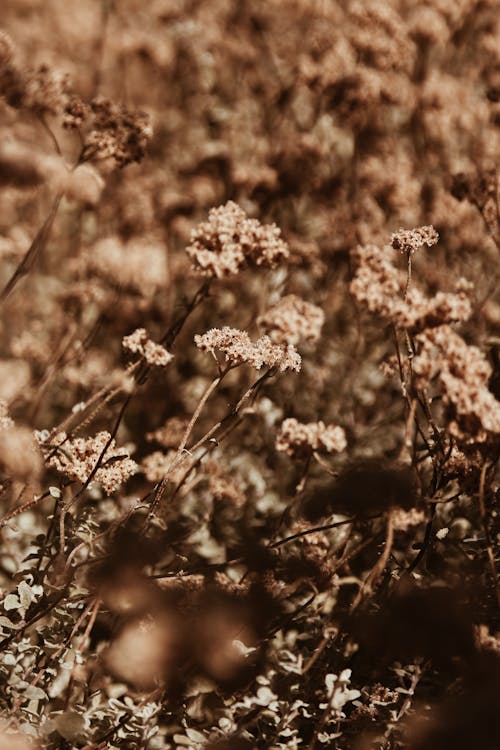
(182, 445)
(250, 393)
(313, 530)
(379, 567)
(408, 274)
(34, 250)
(425, 543)
(51, 134)
(484, 520)
(23, 508)
(141, 373)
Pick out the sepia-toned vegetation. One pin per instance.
(249, 375)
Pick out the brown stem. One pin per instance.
(34, 250)
(314, 529)
(379, 567)
(484, 520)
(182, 445)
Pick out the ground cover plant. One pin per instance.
(249, 374)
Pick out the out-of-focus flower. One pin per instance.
(292, 320)
(229, 241)
(298, 439)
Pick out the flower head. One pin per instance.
(238, 348)
(409, 240)
(229, 241)
(298, 439)
(292, 319)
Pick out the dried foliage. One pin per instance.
(249, 375)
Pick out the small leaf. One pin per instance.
(195, 736)
(35, 693)
(11, 602)
(6, 623)
(25, 594)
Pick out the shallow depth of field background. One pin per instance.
(221, 587)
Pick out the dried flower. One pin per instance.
(45, 91)
(380, 36)
(463, 374)
(170, 434)
(222, 485)
(238, 348)
(139, 343)
(116, 132)
(409, 240)
(377, 283)
(229, 241)
(76, 112)
(155, 466)
(420, 312)
(380, 286)
(298, 439)
(42, 91)
(292, 320)
(77, 457)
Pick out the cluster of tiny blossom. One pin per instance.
(116, 132)
(222, 485)
(298, 439)
(410, 240)
(292, 320)
(379, 286)
(229, 241)
(139, 342)
(462, 373)
(483, 191)
(45, 91)
(466, 462)
(420, 312)
(113, 131)
(41, 91)
(155, 466)
(170, 434)
(238, 348)
(77, 457)
(76, 113)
